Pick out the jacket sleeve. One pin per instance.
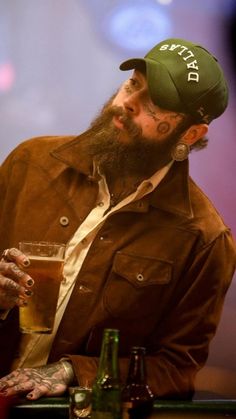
(178, 348)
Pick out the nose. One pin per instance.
(132, 104)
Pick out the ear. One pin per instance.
(194, 133)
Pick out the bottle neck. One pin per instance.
(108, 363)
(137, 370)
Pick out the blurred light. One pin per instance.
(164, 2)
(7, 76)
(136, 27)
(231, 33)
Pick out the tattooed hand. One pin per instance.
(15, 284)
(49, 380)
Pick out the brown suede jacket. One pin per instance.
(158, 269)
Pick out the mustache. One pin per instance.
(131, 127)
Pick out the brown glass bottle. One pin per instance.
(137, 398)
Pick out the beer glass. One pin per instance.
(80, 402)
(46, 263)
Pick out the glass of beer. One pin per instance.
(46, 264)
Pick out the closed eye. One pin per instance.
(131, 85)
(133, 82)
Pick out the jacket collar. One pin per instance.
(74, 155)
(172, 194)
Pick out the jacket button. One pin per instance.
(140, 277)
(64, 221)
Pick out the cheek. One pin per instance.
(163, 127)
(156, 127)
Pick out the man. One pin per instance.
(147, 253)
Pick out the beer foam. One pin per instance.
(46, 258)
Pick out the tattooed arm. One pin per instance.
(49, 380)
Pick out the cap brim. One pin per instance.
(162, 89)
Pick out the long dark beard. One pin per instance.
(139, 156)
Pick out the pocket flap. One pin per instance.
(142, 271)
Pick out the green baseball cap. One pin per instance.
(184, 77)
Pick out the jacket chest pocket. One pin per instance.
(136, 285)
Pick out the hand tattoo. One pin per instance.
(48, 380)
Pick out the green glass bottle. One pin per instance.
(137, 397)
(106, 391)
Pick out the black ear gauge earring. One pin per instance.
(180, 151)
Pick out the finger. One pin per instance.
(17, 381)
(36, 393)
(12, 294)
(13, 289)
(10, 286)
(7, 302)
(15, 255)
(18, 389)
(5, 381)
(21, 302)
(11, 270)
(3, 386)
(46, 390)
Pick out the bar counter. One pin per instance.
(203, 405)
